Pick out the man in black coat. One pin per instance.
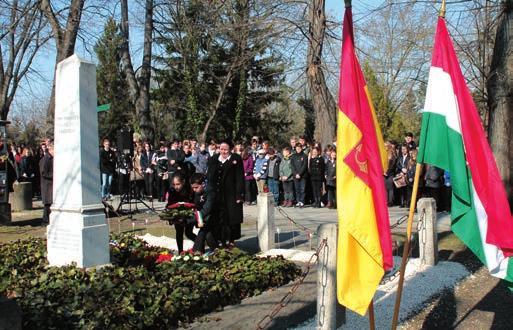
(46, 171)
(299, 164)
(226, 175)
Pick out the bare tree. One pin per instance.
(64, 34)
(397, 47)
(323, 101)
(139, 84)
(500, 98)
(21, 37)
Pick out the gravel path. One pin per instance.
(421, 283)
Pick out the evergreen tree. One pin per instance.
(111, 84)
(218, 72)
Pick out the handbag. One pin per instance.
(135, 176)
(400, 180)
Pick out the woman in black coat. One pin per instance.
(316, 170)
(46, 171)
(226, 174)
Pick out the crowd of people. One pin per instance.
(298, 174)
(36, 167)
(399, 179)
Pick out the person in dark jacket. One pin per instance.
(316, 170)
(390, 173)
(410, 178)
(175, 158)
(46, 172)
(180, 192)
(28, 168)
(299, 162)
(226, 174)
(204, 201)
(107, 168)
(273, 175)
(148, 168)
(401, 168)
(331, 179)
(434, 180)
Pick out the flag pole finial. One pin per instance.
(442, 10)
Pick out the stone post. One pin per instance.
(428, 235)
(265, 224)
(21, 198)
(78, 230)
(330, 315)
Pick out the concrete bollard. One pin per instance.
(265, 224)
(330, 315)
(21, 198)
(428, 235)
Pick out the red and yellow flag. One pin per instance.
(364, 241)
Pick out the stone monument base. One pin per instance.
(80, 237)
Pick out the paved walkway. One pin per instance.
(300, 232)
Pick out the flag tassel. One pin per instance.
(406, 248)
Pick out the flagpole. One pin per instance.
(406, 246)
(372, 326)
(442, 10)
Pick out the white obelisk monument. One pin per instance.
(78, 231)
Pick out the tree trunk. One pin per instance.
(65, 39)
(322, 100)
(500, 98)
(139, 86)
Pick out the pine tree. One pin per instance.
(218, 74)
(111, 84)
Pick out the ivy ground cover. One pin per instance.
(144, 288)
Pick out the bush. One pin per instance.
(146, 287)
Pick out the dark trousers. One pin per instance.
(180, 229)
(288, 190)
(205, 234)
(434, 193)
(148, 184)
(331, 194)
(299, 186)
(249, 190)
(162, 186)
(445, 199)
(317, 192)
(46, 213)
(390, 187)
(402, 195)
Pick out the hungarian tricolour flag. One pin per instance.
(364, 242)
(452, 138)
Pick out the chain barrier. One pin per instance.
(421, 239)
(266, 320)
(308, 231)
(399, 221)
